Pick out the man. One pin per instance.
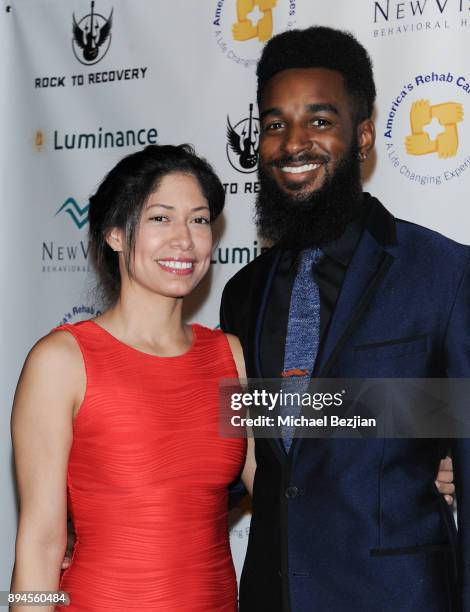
(348, 291)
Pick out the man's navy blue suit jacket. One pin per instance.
(358, 525)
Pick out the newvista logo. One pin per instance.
(78, 214)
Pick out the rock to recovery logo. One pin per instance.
(241, 27)
(243, 143)
(423, 132)
(91, 36)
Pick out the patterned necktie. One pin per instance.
(303, 336)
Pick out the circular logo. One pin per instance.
(243, 143)
(424, 135)
(91, 37)
(241, 27)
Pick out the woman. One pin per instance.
(117, 417)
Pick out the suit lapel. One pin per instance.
(367, 268)
(262, 288)
(365, 273)
(263, 282)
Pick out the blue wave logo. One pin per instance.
(78, 214)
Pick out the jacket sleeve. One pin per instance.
(457, 347)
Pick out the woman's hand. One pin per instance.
(445, 480)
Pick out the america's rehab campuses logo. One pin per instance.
(424, 135)
(243, 143)
(446, 141)
(80, 313)
(254, 20)
(241, 27)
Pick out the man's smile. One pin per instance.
(299, 169)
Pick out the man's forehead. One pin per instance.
(304, 83)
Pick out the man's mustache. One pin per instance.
(304, 158)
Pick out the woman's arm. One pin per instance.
(48, 393)
(249, 469)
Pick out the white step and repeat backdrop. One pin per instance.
(173, 72)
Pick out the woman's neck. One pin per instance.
(149, 322)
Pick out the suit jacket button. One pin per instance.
(291, 492)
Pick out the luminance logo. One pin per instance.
(243, 143)
(78, 214)
(91, 36)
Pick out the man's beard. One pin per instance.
(314, 219)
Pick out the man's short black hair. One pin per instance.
(322, 47)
